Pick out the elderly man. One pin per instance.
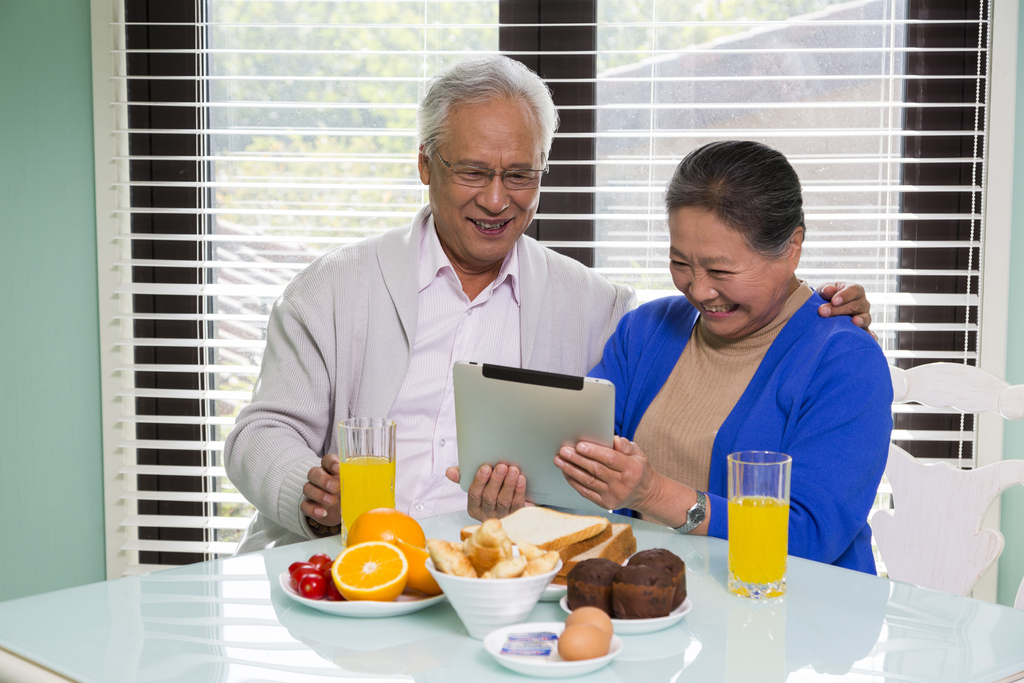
(373, 329)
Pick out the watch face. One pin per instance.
(695, 515)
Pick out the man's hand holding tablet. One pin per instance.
(494, 492)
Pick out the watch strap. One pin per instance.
(695, 515)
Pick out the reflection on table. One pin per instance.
(230, 621)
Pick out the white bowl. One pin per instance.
(487, 604)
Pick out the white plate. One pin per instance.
(403, 604)
(551, 666)
(634, 627)
(553, 593)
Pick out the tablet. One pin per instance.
(522, 418)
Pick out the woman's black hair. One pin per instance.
(750, 187)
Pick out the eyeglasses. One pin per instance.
(513, 179)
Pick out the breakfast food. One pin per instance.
(419, 578)
(641, 593)
(377, 580)
(530, 552)
(590, 584)
(449, 558)
(580, 547)
(594, 617)
(582, 641)
(563, 536)
(506, 569)
(488, 546)
(668, 563)
(313, 586)
(385, 524)
(303, 579)
(651, 585)
(371, 571)
(541, 564)
(546, 528)
(620, 544)
(486, 552)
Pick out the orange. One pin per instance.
(388, 525)
(419, 578)
(370, 571)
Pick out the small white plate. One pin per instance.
(403, 604)
(635, 627)
(553, 593)
(551, 666)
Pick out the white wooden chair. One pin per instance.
(933, 537)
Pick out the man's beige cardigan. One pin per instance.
(338, 345)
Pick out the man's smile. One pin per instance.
(491, 225)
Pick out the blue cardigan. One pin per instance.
(822, 395)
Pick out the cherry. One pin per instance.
(332, 592)
(302, 569)
(320, 560)
(312, 586)
(296, 565)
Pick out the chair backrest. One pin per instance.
(963, 387)
(933, 537)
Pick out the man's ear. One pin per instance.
(423, 164)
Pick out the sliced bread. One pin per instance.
(618, 548)
(571, 551)
(547, 529)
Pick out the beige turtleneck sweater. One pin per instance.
(678, 430)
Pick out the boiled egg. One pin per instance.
(582, 641)
(595, 616)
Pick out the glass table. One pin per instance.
(229, 620)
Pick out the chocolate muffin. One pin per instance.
(668, 562)
(641, 593)
(590, 584)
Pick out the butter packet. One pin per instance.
(527, 649)
(535, 644)
(536, 636)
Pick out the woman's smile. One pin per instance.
(720, 311)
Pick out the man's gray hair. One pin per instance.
(481, 80)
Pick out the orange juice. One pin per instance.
(758, 540)
(367, 482)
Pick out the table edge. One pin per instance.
(15, 668)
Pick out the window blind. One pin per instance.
(261, 135)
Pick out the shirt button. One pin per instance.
(419, 508)
(442, 442)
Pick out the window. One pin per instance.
(257, 135)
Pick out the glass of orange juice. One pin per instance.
(758, 523)
(366, 450)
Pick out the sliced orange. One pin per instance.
(419, 578)
(370, 571)
(388, 525)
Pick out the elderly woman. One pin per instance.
(741, 362)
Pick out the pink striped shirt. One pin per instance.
(449, 328)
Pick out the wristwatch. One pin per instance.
(695, 515)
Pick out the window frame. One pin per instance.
(997, 214)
